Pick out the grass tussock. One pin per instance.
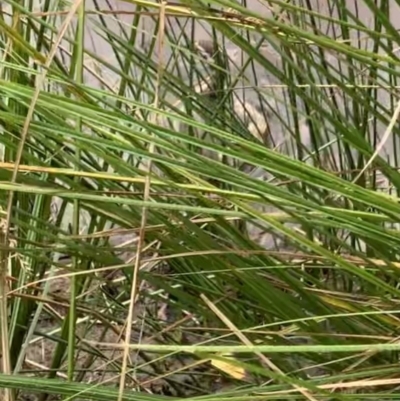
(199, 201)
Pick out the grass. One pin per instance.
(199, 220)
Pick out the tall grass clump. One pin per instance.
(199, 200)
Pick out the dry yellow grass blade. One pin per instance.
(231, 369)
